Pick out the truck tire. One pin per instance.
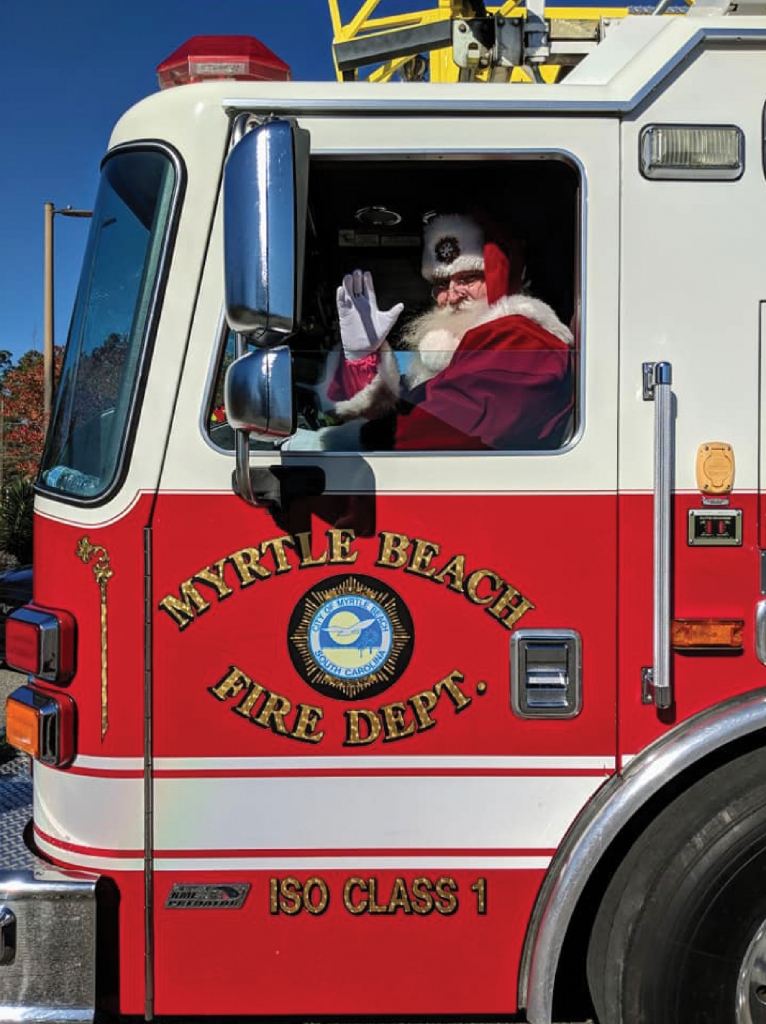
(680, 935)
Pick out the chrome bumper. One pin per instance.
(47, 946)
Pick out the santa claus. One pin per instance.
(488, 367)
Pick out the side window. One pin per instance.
(439, 308)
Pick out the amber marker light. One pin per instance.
(41, 724)
(706, 634)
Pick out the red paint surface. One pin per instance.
(561, 552)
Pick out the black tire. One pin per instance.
(683, 907)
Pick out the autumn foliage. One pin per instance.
(23, 433)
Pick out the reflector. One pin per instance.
(206, 58)
(691, 634)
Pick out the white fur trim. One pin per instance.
(433, 355)
(447, 234)
(532, 309)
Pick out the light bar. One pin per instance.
(211, 58)
(682, 152)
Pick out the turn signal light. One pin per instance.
(42, 725)
(704, 634)
(41, 642)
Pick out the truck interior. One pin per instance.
(369, 214)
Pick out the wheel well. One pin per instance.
(571, 999)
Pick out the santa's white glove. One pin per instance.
(363, 327)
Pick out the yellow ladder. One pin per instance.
(367, 34)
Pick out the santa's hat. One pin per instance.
(452, 244)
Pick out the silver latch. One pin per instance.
(546, 673)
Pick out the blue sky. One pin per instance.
(70, 68)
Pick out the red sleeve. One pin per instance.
(351, 376)
(508, 386)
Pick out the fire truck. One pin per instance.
(343, 732)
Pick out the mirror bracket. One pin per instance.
(277, 486)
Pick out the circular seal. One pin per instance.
(350, 637)
(447, 249)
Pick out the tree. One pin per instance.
(21, 387)
(16, 519)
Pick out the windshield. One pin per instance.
(107, 335)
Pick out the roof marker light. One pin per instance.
(211, 58)
(682, 152)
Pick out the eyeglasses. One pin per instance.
(462, 283)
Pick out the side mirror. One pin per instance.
(265, 203)
(258, 393)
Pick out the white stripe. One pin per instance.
(353, 762)
(313, 864)
(313, 813)
(355, 864)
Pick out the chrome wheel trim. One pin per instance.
(751, 983)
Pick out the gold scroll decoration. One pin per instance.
(103, 573)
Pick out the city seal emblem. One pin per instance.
(350, 637)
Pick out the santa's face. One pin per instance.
(436, 334)
(460, 290)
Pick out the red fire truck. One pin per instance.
(351, 732)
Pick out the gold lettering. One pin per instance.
(354, 737)
(247, 566)
(231, 684)
(375, 907)
(456, 695)
(351, 907)
(213, 576)
(277, 547)
(445, 887)
(421, 891)
(183, 611)
(400, 898)
(393, 550)
(512, 601)
(324, 896)
(304, 549)
(422, 703)
(340, 547)
(273, 896)
(472, 585)
(393, 722)
(274, 710)
(246, 706)
(290, 892)
(455, 569)
(422, 555)
(306, 723)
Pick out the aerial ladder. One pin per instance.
(468, 40)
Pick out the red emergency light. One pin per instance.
(210, 58)
(41, 642)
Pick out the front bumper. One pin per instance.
(47, 946)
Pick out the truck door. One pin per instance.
(376, 709)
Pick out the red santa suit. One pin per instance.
(507, 385)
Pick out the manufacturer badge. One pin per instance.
(193, 896)
(350, 637)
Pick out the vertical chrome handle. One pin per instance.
(658, 379)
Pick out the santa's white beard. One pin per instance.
(434, 335)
